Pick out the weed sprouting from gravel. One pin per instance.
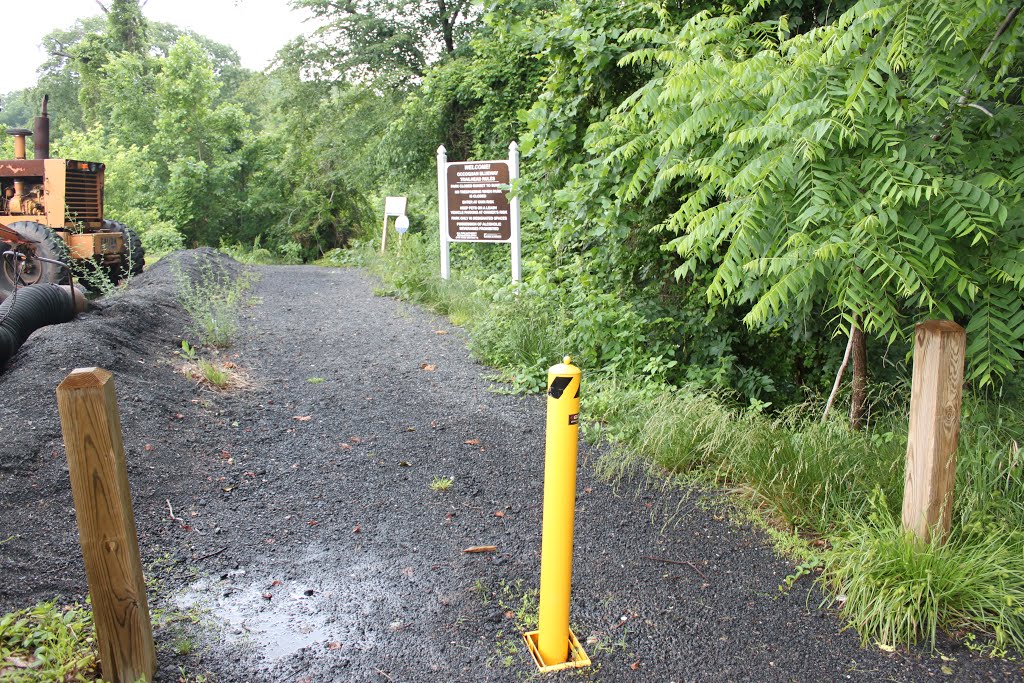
(215, 376)
(441, 483)
(316, 380)
(213, 297)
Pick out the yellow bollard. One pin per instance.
(553, 645)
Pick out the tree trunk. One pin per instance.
(447, 26)
(859, 394)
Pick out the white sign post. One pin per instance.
(393, 206)
(473, 207)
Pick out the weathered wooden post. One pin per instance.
(935, 398)
(106, 524)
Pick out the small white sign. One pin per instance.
(402, 224)
(394, 206)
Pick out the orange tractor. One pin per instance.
(51, 218)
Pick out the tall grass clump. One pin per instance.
(522, 337)
(213, 296)
(412, 273)
(897, 590)
(824, 480)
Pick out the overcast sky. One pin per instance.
(255, 28)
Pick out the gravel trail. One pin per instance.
(309, 544)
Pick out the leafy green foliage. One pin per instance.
(868, 168)
(48, 644)
(825, 479)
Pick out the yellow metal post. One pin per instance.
(553, 644)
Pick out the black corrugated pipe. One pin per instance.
(32, 307)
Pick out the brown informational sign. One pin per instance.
(478, 210)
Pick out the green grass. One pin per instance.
(216, 376)
(441, 483)
(898, 591)
(824, 480)
(48, 643)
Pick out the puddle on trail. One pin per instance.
(308, 606)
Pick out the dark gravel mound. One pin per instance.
(310, 545)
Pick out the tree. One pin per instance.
(200, 143)
(393, 40)
(127, 26)
(869, 169)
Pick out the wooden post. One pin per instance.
(384, 235)
(934, 428)
(106, 524)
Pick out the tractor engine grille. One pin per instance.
(83, 200)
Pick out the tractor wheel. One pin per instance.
(135, 256)
(33, 271)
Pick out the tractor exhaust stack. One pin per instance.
(42, 132)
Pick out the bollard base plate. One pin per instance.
(577, 657)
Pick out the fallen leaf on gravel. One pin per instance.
(312, 522)
(227, 489)
(588, 490)
(268, 596)
(635, 665)
(355, 439)
(946, 670)
(481, 549)
(179, 416)
(303, 418)
(356, 529)
(410, 429)
(885, 648)
(510, 614)
(148, 447)
(472, 442)
(19, 663)
(404, 463)
(334, 645)
(344, 447)
(275, 582)
(499, 513)
(440, 331)
(428, 367)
